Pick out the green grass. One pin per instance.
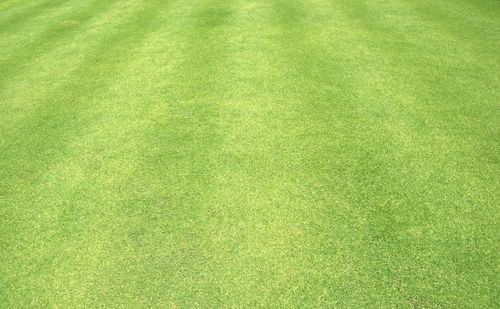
(249, 153)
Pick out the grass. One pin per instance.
(214, 153)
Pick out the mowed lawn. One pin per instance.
(249, 153)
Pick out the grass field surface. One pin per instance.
(265, 153)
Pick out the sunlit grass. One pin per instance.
(216, 153)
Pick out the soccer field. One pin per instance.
(249, 153)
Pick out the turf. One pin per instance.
(265, 153)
